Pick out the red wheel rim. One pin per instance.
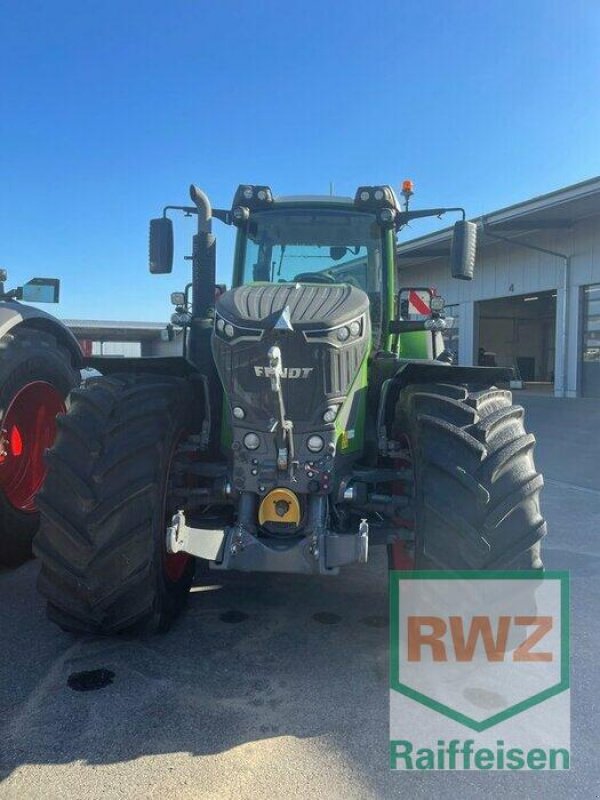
(175, 564)
(28, 428)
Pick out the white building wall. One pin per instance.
(125, 349)
(505, 269)
(158, 347)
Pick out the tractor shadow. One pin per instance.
(254, 657)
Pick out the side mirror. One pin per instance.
(161, 246)
(40, 290)
(462, 254)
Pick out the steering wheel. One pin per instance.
(313, 277)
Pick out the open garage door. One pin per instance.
(520, 332)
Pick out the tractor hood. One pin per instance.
(323, 335)
(309, 306)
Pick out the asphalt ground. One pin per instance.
(277, 686)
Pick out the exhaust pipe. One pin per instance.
(203, 259)
(204, 251)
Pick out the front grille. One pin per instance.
(317, 373)
(340, 367)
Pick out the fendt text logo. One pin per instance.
(286, 372)
(479, 673)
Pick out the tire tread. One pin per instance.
(99, 508)
(477, 489)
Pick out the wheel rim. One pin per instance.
(175, 565)
(28, 428)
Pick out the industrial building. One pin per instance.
(124, 338)
(534, 303)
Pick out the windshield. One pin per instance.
(306, 245)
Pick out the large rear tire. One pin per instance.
(104, 514)
(36, 375)
(476, 489)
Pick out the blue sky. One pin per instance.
(108, 110)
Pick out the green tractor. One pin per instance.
(308, 420)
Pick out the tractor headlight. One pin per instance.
(231, 333)
(439, 323)
(181, 318)
(252, 196)
(315, 443)
(386, 216)
(330, 414)
(436, 303)
(376, 197)
(251, 441)
(343, 333)
(240, 214)
(239, 413)
(354, 328)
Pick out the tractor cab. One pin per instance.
(323, 241)
(314, 240)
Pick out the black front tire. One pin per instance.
(27, 355)
(102, 539)
(476, 489)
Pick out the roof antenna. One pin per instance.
(331, 188)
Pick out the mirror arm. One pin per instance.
(403, 217)
(459, 209)
(222, 215)
(219, 213)
(187, 210)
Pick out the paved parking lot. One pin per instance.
(276, 686)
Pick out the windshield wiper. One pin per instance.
(280, 261)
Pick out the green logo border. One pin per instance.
(396, 576)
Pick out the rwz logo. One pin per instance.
(286, 372)
(480, 648)
(431, 631)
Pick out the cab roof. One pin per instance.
(324, 199)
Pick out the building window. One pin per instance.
(451, 334)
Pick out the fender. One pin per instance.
(419, 371)
(13, 313)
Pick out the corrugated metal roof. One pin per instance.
(112, 324)
(111, 330)
(567, 205)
